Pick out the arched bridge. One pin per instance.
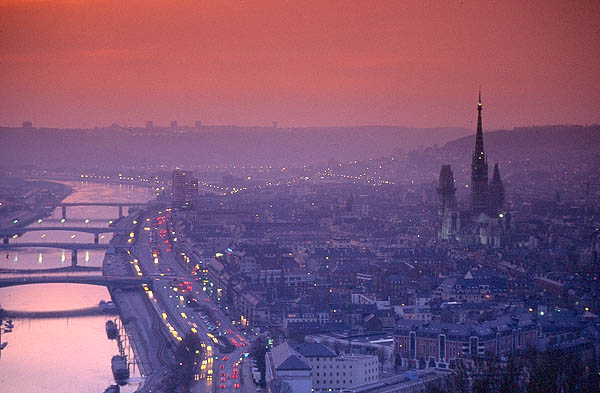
(120, 205)
(7, 233)
(106, 281)
(74, 247)
(62, 246)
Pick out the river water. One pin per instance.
(70, 355)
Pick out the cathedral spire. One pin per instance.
(496, 176)
(479, 168)
(496, 192)
(479, 135)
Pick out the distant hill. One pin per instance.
(541, 159)
(115, 147)
(543, 144)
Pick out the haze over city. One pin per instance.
(299, 197)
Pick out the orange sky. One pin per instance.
(414, 63)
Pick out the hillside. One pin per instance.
(115, 147)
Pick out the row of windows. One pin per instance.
(331, 374)
(337, 366)
(325, 359)
(331, 381)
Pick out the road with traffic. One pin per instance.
(181, 298)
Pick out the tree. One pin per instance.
(258, 350)
(485, 373)
(381, 356)
(543, 372)
(557, 371)
(188, 355)
(280, 385)
(511, 379)
(462, 377)
(435, 387)
(397, 361)
(443, 385)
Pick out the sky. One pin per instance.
(86, 63)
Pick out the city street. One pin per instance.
(155, 255)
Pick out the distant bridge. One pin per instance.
(62, 246)
(74, 247)
(120, 205)
(7, 233)
(62, 269)
(106, 281)
(81, 312)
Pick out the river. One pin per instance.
(70, 355)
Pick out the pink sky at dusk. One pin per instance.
(303, 63)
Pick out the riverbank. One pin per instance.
(23, 202)
(153, 355)
(79, 342)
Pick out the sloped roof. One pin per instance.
(293, 362)
(313, 350)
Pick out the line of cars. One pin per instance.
(234, 375)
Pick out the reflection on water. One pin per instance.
(77, 216)
(63, 354)
(56, 355)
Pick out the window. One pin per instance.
(474, 344)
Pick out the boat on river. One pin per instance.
(119, 369)
(111, 329)
(113, 389)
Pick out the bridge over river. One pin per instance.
(107, 281)
(7, 233)
(79, 312)
(120, 205)
(74, 247)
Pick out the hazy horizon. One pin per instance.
(412, 64)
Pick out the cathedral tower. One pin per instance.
(479, 169)
(496, 191)
(448, 214)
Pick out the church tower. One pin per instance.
(496, 191)
(447, 212)
(479, 169)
